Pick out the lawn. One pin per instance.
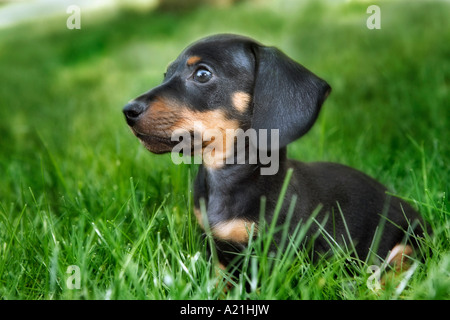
(78, 189)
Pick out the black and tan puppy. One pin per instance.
(229, 82)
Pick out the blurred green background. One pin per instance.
(65, 148)
(62, 90)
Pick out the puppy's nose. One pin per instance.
(133, 111)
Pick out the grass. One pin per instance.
(78, 189)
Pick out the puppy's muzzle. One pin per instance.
(133, 111)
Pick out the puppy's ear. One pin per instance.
(286, 95)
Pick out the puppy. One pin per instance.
(233, 86)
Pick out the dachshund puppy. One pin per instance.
(225, 89)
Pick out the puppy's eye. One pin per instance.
(202, 75)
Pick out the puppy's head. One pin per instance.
(228, 82)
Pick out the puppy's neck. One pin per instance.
(235, 189)
(229, 156)
(231, 173)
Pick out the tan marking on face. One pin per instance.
(240, 101)
(153, 127)
(233, 230)
(158, 118)
(193, 60)
(216, 130)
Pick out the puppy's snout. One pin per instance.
(133, 111)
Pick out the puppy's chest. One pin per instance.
(228, 219)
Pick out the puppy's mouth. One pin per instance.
(152, 138)
(155, 143)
